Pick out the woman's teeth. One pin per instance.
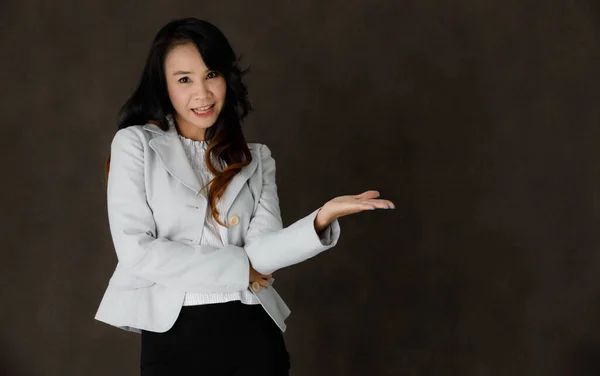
(202, 110)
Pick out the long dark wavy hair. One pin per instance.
(150, 100)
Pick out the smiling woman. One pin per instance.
(192, 65)
(197, 92)
(194, 271)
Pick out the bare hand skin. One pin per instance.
(262, 279)
(349, 204)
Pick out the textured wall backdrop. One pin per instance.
(478, 118)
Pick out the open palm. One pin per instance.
(350, 204)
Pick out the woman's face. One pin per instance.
(196, 92)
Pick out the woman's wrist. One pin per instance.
(323, 219)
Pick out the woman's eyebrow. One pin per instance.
(187, 72)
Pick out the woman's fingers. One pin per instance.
(348, 204)
(378, 204)
(263, 282)
(369, 198)
(367, 195)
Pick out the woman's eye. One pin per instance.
(212, 74)
(184, 80)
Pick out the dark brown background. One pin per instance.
(479, 119)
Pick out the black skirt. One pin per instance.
(217, 339)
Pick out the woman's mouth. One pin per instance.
(204, 111)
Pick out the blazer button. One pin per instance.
(255, 286)
(234, 220)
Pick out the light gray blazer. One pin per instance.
(156, 221)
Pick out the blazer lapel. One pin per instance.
(169, 148)
(237, 182)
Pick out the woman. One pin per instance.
(194, 216)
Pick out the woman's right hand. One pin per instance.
(257, 280)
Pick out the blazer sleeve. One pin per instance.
(270, 246)
(194, 268)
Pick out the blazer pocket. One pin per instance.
(125, 281)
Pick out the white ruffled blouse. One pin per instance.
(214, 234)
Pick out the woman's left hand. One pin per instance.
(349, 204)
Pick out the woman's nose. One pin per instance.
(200, 91)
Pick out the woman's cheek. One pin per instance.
(177, 97)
